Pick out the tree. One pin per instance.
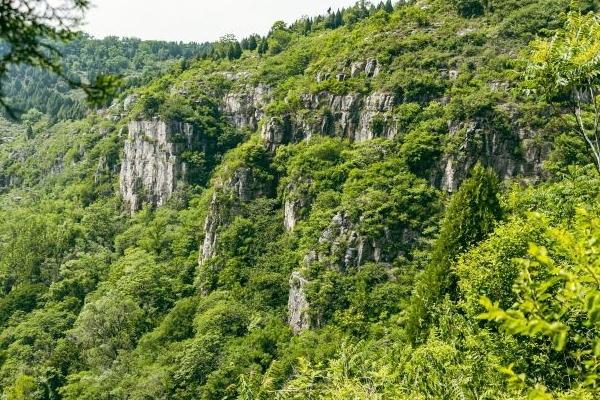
(29, 31)
(389, 7)
(566, 68)
(469, 8)
(235, 51)
(558, 298)
(263, 46)
(252, 43)
(470, 217)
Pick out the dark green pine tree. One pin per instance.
(330, 24)
(389, 7)
(263, 46)
(252, 45)
(308, 24)
(339, 19)
(469, 218)
(234, 51)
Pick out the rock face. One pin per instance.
(211, 225)
(298, 317)
(355, 117)
(152, 165)
(296, 202)
(341, 246)
(244, 108)
(510, 154)
(241, 187)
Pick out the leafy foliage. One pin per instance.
(96, 303)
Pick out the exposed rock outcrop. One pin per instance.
(152, 167)
(354, 116)
(298, 307)
(211, 225)
(240, 187)
(244, 108)
(296, 202)
(511, 153)
(341, 246)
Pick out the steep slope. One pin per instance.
(276, 226)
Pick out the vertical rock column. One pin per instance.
(152, 166)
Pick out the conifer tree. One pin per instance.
(389, 7)
(470, 217)
(252, 43)
(339, 21)
(263, 46)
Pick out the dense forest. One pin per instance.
(136, 61)
(390, 201)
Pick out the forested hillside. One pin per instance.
(394, 201)
(84, 59)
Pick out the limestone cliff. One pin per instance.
(152, 166)
(240, 186)
(510, 153)
(244, 108)
(355, 117)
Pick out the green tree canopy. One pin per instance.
(28, 29)
(567, 67)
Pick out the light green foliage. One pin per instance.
(568, 65)
(558, 297)
(99, 304)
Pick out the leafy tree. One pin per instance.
(558, 298)
(566, 68)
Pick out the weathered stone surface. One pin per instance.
(372, 68)
(242, 187)
(296, 202)
(356, 68)
(211, 225)
(511, 154)
(129, 102)
(275, 132)
(298, 307)
(291, 213)
(341, 245)
(244, 108)
(151, 168)
(351, 116)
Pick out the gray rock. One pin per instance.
(242, 187)
(151, 167)
(129, 101)
(297, 200)
(298, 307)
(349, 116)
(322, 76)
(356, 68)
(511, 154)
(211, 226)
(372, 68)
(245, 108)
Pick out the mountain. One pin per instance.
(362, 205)
(84, 59)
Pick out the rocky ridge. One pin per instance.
(152, 167)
